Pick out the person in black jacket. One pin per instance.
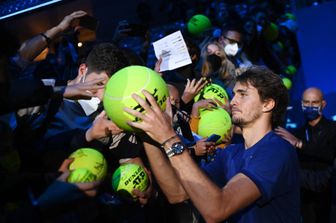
(316, 146)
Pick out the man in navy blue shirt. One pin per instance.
(256, 181)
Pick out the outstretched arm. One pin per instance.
(34, 46)
(214, 203)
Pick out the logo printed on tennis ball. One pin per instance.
(81, 175)
(217, 121)
(198, 24)
(212, 91)
(128, 177)
(121, 86)
(88, 164)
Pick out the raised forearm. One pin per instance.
(205, 195)
(34, 46)
(165, 175)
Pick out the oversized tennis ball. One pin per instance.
(121, 86)
(212, 91)
(271, 32)
(198, 24)
(287, 82)
(217, 121)
(128, 177)
(88, 165)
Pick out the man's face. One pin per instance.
(231, 37)
(312, 98)
(92, 76)
(246, 105)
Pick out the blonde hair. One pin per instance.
(227, 68)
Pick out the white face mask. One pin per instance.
(231, 49)
(89, 106)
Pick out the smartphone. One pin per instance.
(88, 22)
(213, 138)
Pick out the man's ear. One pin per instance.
(81, 71)
(324, 104)
(268, 105)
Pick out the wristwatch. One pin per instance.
(176, 149)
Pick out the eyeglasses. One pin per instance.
(232, 41)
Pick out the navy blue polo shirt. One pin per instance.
(272, 165)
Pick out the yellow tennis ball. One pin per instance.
(81, 175)
(128, 177)
(88, 164)
(217, 121)
(212, 91)
(121, 86)
(198, 24)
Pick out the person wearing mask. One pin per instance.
(316, 146)
(232, 43)
(217, 67)
(255, 181)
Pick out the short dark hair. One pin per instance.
(106, 57)
(269, 86)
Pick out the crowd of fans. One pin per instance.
(52, 107)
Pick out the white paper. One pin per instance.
(173, 50)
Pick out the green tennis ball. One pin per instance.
(271, 32)
(290, 16)
(81, 175)
(212, 91)
(128, 177)
(290, 69)
(198, 24)
(217, 121)
(287, 82)
(121, 86)
(88, 164)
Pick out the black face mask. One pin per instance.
(214, 61)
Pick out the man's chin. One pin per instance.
(238, 122)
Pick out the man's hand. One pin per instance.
(225, 106)
(288, 136)
(158, 65)
(89, 189)
(156, 123)
(192, 89)
(68, 21)
(84, 90)
(203, 147)
(144, 197)
(102, 127)
(208, 104)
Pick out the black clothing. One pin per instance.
(22, 94)
(316, 161)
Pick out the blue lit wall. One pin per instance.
(317, 42)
